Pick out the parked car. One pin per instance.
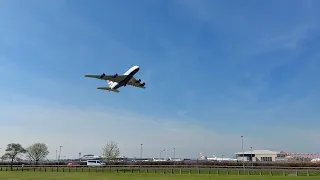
(95, 163)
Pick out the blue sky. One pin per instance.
(214, 70)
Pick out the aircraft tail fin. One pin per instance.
(109, 89)
(202, 156)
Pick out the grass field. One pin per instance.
(167, 171)
(12, 175)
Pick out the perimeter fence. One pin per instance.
(171, 169)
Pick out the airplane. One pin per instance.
(214, 158)
(116, 81)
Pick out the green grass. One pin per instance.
(165, 171)
(51, 173)
(14, 175)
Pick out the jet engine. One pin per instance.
(114, 76)
(142, 84)
(102, 75)
(138, 81)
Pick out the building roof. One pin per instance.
(258, 152)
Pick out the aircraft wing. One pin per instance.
(136, 83)
(117, 78)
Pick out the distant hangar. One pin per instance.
(260, 155)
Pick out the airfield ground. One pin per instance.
(14, 175)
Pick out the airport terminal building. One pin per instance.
(260, 155)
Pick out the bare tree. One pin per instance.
(111, 150)
(37, 152)
(13, 150)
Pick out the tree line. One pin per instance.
(39, 151)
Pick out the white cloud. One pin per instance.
(86, 130)
(28, 120)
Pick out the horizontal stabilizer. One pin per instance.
(108, 89)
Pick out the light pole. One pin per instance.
(174, 157)
(141, 151)
(242, 152)
(161, 152)
(251, 158)
(141, 154)
(60, 152)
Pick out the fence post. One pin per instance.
(180, 171)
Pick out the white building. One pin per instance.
(260, 155)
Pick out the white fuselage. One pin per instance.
(130, 73)
(214, 158)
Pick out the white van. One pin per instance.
(95, 163)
